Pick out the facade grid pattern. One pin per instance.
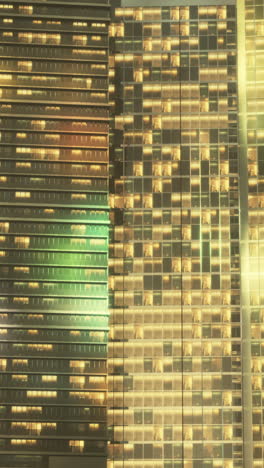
(175, 348)
(54, 233)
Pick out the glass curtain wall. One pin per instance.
(175, 351)
(251, 37)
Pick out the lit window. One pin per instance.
(40, 346)
(49, 378)
(23, 441)
(52, 108)
(77, 445)
(53, 38)
(21, 300)
(54, 22)
(3, 363)
(80, 228)
(97, 242)
(94, 427)
(75, 333)
(37, 180)
(25, 37)
(20, 149)
(82, 181)
(78, 196)
(40, 124)
(20, 377)
(33, 332)
(96, 66)
(22, 242)
(98, 397)
(79, 23)
(78, 382)
(96, 379)
(27, 9)
(49, 211)
(26, 409)
(100, 96)
(35, 316)
(27, 92)
(117, 29)
(5, 107)
(4, 227)
(25, 65)
(26, 165)
(52, 136)
(80, 39)
(78, 212)
(34, 428)
(22, 194)
(41, 394)
(98, 25)
(78, 364)
(20, 362)
(88, 52)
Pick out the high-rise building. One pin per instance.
(251, 105)
(186, 251)
(54, 233)
(186, 287)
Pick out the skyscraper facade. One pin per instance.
(54, 233)
(185, 361)
(175, 391)
(251, 108)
